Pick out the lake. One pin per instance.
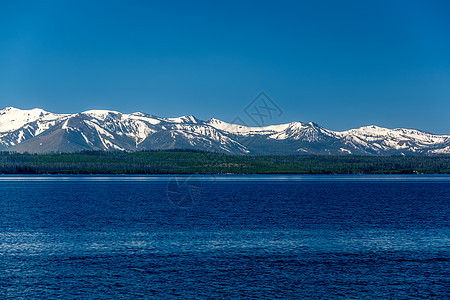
(228, 236)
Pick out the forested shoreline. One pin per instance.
(198, 162)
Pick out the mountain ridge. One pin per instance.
(39, 131)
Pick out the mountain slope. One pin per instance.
(38, 131)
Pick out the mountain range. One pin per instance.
(39, 131)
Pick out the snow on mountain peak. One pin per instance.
(183, 119)
(9, 108)
(245, 130)
(14, 110)
(12, 118)
(139, 114)
(99, 113)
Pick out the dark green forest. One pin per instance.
(197, 162)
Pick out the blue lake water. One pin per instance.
(214, 237)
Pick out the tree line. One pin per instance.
(199, 162)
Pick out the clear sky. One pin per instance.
(342, 64)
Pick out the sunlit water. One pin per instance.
(206, 237)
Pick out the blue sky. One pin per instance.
(342, 64)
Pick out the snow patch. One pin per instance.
(445, 150)
(343, 150)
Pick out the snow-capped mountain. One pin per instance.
(38, 131)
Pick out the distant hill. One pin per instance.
(39, 131)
